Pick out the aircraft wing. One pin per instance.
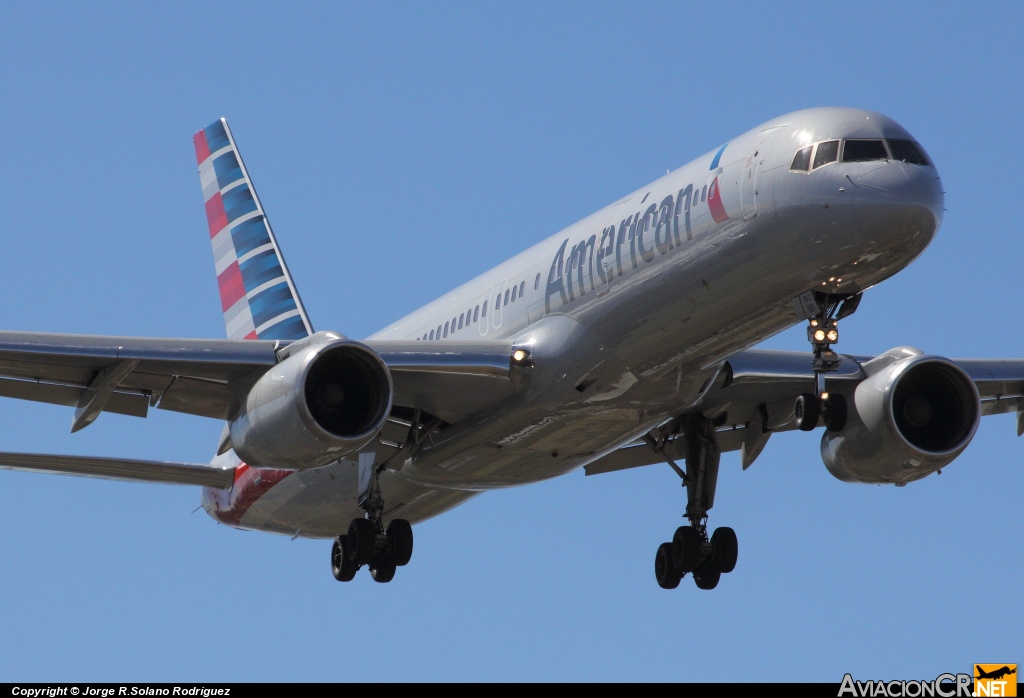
(210, 378)
(122, 469)
(757, 390)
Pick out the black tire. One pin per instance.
(724, 549)
(360, 542)
(707, 577)
(383, 571)
(806, 411)
(835, 415)
(665, 570)
(686, 545)
(400, 541)
(342, 568)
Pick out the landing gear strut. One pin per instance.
(369, 543)
(691, 550)
(825, 312)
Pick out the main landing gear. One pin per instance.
(691, 550)
(369, 543)
(824, 313)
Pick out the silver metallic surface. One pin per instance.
(277, 426)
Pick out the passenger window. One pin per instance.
(461, 318)
(515, 289)
(438, 332)
(802, 159)
(522, 288)
(506, 296)
(827, 152)
(476, 314)
(703, 193)
(483, 313)
(863, 151)
(536, 283)
(908, 151)
(497, 302)
(453, 324)
(446, 329)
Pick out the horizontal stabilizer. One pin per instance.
(121, 469)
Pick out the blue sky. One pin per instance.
(401, 149)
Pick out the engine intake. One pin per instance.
(319, 404)
(907, 420)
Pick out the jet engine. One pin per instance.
(319, 404)
(912, 416)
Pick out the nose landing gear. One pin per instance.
(824, 313)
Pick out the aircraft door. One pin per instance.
(496, 313)
(485, 320)
(751, 168)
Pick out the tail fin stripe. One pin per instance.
(272, 303)
(250, 235)
(227, 169)
(238, 321)
(232, 289)
(216, 136)
(215, 214)
(258, 296)
(238, 202)
(282, 329)
(223, 252)
(202, 149)
(249, 254)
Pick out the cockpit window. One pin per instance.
(827, 152)
(864, 150)
(908, 151)
(802, 159)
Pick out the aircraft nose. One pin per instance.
(890, 189)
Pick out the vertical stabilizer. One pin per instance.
(257, 294)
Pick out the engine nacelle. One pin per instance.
(321, 403)
(905, 421)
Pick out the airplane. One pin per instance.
(622, 341)
(996, 673)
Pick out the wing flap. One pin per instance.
(121, 469)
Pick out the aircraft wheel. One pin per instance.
(806, 411)
(835, 415)
(707, 577)
(686, 545)
(342, 568)
(724, 549)
(383, 571)
(360, 542)
(665, 568)
(400, 541)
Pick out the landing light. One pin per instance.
(833, 336)
(824, 395)
(520, 355)
(819, 335)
